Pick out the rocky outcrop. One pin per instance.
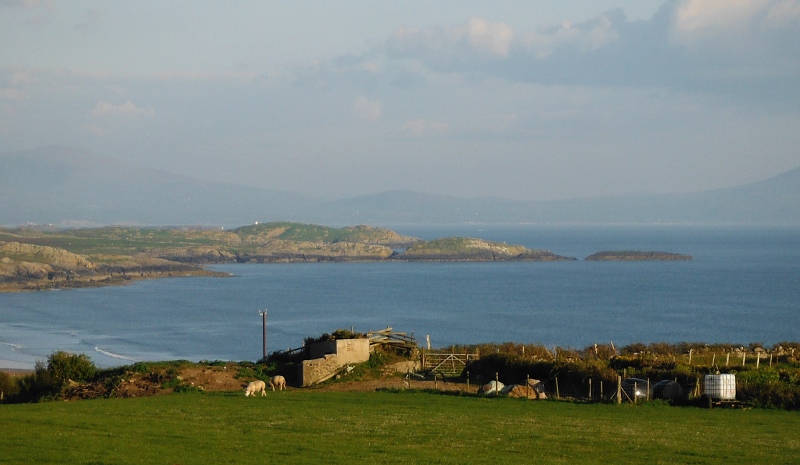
(636, 255)
(470, 249)
(290, 251)
(34, 267)
(197, 255)
(43, 254)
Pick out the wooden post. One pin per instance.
(467, 380)
(496, 383)
(647, 396)
(528, 386)
(758, 359)
(590, 388)
(428, 337)
(713, 360)
(727, 358)
(770, 360)
(619, 389)
(601, 391)
(635, 388)
(690, 357)
(558, 393)
(744, 356)
(435, 380)
(264, 332)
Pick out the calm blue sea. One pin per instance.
(742, 286)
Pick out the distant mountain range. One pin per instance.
(73, 187)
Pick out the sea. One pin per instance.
(742, 286)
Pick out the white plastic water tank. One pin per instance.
(720, 387)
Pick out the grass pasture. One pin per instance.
(386, 427)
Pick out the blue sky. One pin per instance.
(520, 99)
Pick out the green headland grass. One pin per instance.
(386, 427)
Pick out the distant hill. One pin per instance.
(64, 186)
(774, 201)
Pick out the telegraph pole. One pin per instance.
(264, 331)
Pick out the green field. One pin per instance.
(387, 427)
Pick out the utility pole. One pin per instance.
(264, 331)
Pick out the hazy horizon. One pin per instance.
(536, 100)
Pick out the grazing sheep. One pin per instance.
(277, 381)
(255, 387)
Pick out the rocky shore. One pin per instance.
(636, 255)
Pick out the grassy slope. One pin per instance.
(130, 240)
(308, 427)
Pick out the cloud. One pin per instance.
(737, 48)
(111, 119)
(367, 109)
(127, 110)
(485, 36)
(737, 21)
(425, 128)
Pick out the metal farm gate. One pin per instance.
(446, 364)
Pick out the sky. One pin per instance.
(527, 100)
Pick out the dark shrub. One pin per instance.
(8, 385)
(65, 366)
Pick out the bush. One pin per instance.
(770, 394)
(8, 385)
(37, 385)
(64, 366)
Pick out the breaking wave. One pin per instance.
(113, 355)
(14, 347)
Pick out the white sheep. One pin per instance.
(255, 387)
(277, 381)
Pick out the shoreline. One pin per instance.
(104, 281)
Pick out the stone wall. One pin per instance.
(346, 350)
(318, 370)
(327, 358)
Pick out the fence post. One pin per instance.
(590, 389)
(558, 393)
(744, 356)
(496, 383)
(468, 380)
(727, 358)
(758, 359)
(602, 397)
(647, 396)
(619, 389)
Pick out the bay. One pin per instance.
(742, 286)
